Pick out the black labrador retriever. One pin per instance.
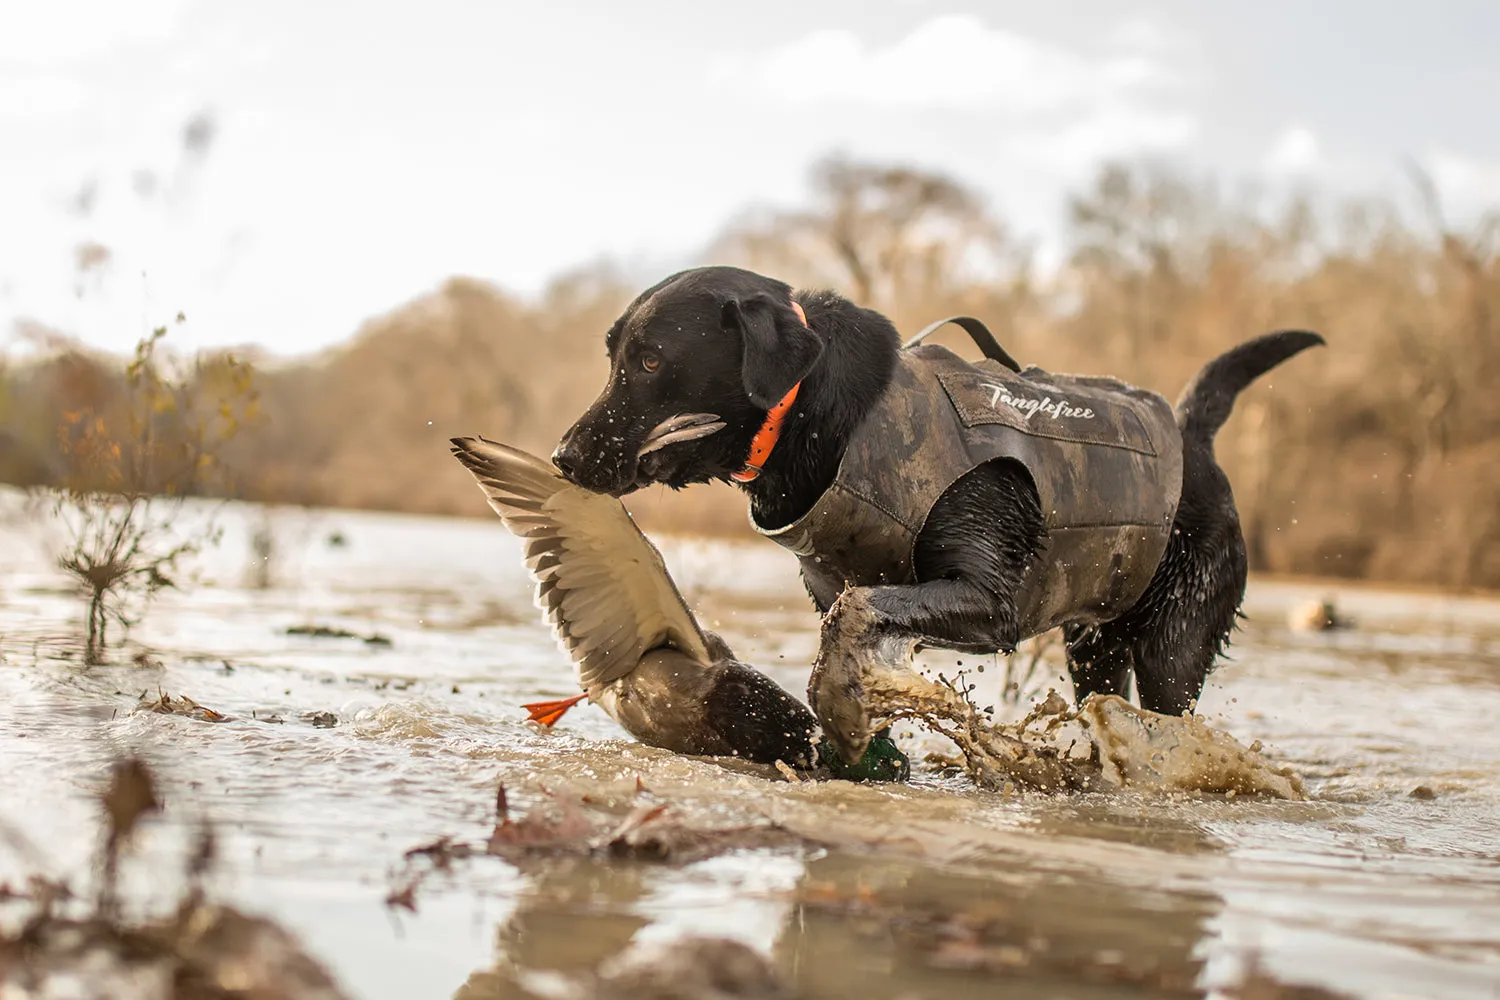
(721, 373)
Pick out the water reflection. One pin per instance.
(571, 916)
(853, 924)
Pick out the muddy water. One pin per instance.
(929, 889)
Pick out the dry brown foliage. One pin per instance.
(1377, 458)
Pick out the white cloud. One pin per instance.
(1046, 108)
(39, 96)
(1295, 151)
(1142, 34)
(1467, 185)
(950, 62)
(57, 32)
(1077, 148)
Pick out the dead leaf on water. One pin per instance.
(577, 826)
(165, 704)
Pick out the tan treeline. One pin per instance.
(1377, 458)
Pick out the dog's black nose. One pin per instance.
(567, 460)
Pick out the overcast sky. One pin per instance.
(364, 152)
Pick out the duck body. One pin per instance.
(638, 650)
(722, 709)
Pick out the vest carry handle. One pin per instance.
(977, 332)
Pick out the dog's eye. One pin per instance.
(650, 362)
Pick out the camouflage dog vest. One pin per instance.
(1105, 457)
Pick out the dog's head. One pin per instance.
(695, 363)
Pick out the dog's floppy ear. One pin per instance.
(778, 349)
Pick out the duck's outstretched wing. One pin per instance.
(601, 582)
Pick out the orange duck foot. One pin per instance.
(548, 712)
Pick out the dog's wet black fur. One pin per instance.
(726, 341)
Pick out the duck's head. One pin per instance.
(882, 760)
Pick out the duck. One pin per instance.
(639, 653)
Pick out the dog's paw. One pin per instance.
(851, 647)
(835, 689)
(837, 697)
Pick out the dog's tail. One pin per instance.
(1208, 399)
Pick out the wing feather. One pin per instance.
(601, 583)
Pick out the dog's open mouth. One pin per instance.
(683, 427)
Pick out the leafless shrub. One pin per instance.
(127, 474)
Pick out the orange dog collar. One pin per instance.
(770, 431)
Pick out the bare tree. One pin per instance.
(887, 235)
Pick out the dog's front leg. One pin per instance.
(873, 629)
